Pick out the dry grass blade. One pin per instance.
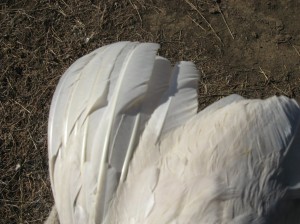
(137, 11)
(194, 21)
(225, 21)
(262, 72)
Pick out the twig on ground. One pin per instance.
(210, 26)
(262, 72)
(136, 9)
(22, 107)
(296, 50)
(280, 90)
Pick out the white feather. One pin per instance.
(179, 102)
(127, 95)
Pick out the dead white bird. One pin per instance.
(126, 145)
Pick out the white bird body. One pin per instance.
(126, 145)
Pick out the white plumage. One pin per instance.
(126, 145)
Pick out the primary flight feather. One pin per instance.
(126, 145)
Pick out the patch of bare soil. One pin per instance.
(245, 47)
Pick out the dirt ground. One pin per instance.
(247, 47)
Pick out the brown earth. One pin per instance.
(245, 47)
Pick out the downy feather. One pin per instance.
(229, 166)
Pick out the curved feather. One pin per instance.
(158, 84)
(126, 101)
(66, 147)
(225, 101)
(62, 92)
(59, 104)
(99, 94)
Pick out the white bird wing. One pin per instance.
(236, 160)
(237, 164)
(95, 122)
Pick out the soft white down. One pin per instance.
(126, 145)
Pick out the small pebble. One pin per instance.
(214, 10)
(254, 35)
(18, 166)
(280, 38)
(279, 25)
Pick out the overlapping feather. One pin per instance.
(98, 112)
(178, 103)
(93, 125)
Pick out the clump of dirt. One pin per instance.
(250, 48)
